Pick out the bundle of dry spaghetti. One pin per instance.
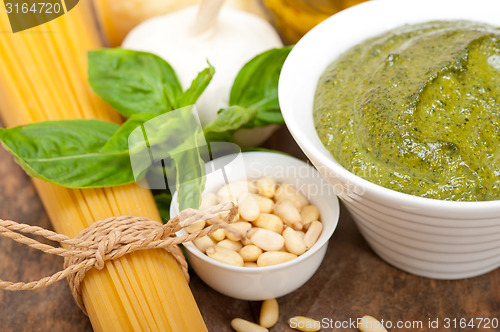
(43, 77)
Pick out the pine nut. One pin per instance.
(246, 241)
(208, 200)
(304, 324)
(266, 187)
(265, 239)
(309, 214)
(270, 222)
(211, 221)
(195, 227)
(288, 213)
(242, 325)
(370, 324)
(232, 191)
(250, 253)
(250, 264)
(265, 204)
(229, 244)
(313, 233)
(203, 243)
(277, 224)
(219, 219)
(249, 209)
(225, 255)
(287, 191)
(252, 188)
(269, 313)
(274, 257)
(293, 242)
(228, 199)
(238, 230)
(218, 235)
(303, 201)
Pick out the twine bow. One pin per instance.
(110, 239)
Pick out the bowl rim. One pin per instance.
(333, 207)
(311, 148)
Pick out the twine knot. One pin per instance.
(111, 239)
(105, 246)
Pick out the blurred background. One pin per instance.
(292, 18)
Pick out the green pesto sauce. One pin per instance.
(417, 110)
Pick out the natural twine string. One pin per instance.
(111, 239)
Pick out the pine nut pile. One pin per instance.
(269, 316)
(276, 224)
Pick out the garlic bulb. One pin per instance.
(227, 39)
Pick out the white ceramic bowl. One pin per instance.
(427, 237)
(260, 283)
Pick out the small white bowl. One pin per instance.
(260, 283)
(427, 237)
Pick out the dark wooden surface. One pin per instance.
(351, 282)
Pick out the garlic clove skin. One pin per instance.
(234, 40)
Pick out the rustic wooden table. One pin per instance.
(351, 282)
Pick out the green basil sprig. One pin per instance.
(256, 86)
(69, 152)
(140, 82)
(133, 82)
(227, 122)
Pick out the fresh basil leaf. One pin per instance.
(191, 95)
(267, 116)
(133, 82)
(227, 122)
(187, 157)
(119, 140)
(163, 201)
(174, 138)
(256, 86)
(190, 178)
(68, 153)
